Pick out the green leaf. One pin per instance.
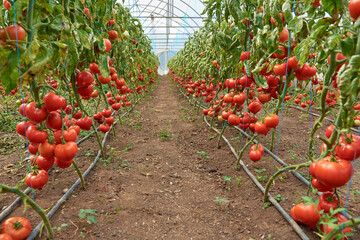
(31, 52)
(91, 219)
(104, 65)
(81, 213)
(90, 211)
(296, 24)
(347, 46)
(331, 5)
(9, 73)
(302, 51)
(355, 62)
(333, 40)
(286, 8)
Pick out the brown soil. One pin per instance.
(162, 176)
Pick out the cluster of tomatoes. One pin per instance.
(305, 103)
(332, 171)
(15, 228)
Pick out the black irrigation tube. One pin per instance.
(63, 199)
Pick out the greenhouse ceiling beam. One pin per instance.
(172, 17)
(159, 21)
(148, 5)
(174, 27)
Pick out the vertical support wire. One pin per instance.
(21, 89)
(282, 102)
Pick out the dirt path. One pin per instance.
(161, 181)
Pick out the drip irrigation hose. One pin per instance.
(293, 224)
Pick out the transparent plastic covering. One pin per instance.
(168, 23)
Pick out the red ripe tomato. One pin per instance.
(69, 135)
(21, 127)
(306, 72)
(120, 83)
(46, 149)
(284, 35)
(94, 94)
(357, 107)
(255, 156)
(320, 187)
(292, 63)
(306, 214)
(239, 98)
(33, 148)
(63, 164)
(245, 56)
(85, 123)
(111, 22)
(104, 128)
(104, 80)
(228, 98)
(284, 53)
(66, 152)
(272, 81)
(5, 236)
(205, 111)
(261, 128)
(116, 106)
(15, 33)
(257, 147)
(109, 120)
(329, 130)
(348, 149)
(85, 91)
(17, 227)
(113, 34)
(272, 121)
(107, 45)
(54, 120)
(6, 4)
(328, 201)
(34, 114)
(22, 109)
(233, 120)
(282, 18)
(52, 102)
(94, 68)
(254, 107)
(297, 101)
(264, 97)
(44, 163)
(326, 229)
(87, 12)
(37, 180)
(264, 71)
(354, 9)
(106, 113)
(280, 69)
(225, 115)
(339, 57)
(78, 115)
(332, 174)
(84, 79)
(36, 136)
(245, 81)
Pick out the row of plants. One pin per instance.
(252, 56)
(71, 66)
